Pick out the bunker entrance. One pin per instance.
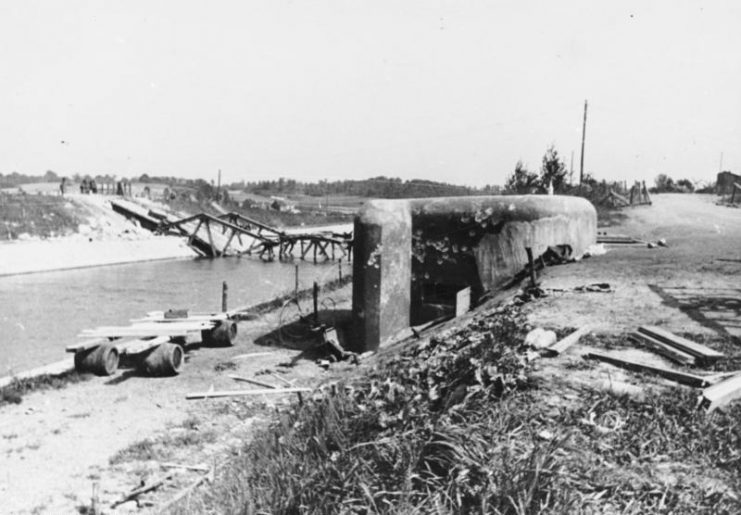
(435, 300)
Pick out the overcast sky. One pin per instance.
(452, 91)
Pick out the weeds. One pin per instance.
(456, 425)
(14, 392)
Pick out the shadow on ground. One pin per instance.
(718, 309)
(300, 330)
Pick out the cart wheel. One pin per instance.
(223, 335)
(163, 360)
(101, 360)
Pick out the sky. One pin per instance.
(454, 91)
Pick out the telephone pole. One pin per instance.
(583, 136)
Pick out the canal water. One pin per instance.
(40, 314)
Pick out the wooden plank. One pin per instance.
(674, 375)
(662, 348)
(253, 381)
(141, 345)
(560, 346)
(160, 318)
(239, 393)
(705, 354)
(140, 332)
(254, 355)
(85, 345)
(721, 394)
(174, 326)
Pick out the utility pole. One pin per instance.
(218, 185)
(583, 136)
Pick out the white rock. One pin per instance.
(539, 338)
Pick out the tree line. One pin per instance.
(377, 187)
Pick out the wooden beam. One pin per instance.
(85, 345)
(560, 346)
(703, 354)
(660, 347)
(141, 345)
(241, 393)
(721, 394)
(253, 381)
(674, 375)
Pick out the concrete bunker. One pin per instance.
(413, 255)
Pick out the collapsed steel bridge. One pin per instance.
(234, 234)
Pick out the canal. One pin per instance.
(40, 314)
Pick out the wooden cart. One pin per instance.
(155, 344)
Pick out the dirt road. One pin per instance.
(693, 285)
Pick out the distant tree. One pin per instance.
(553, 171)
(663, 183)
(686, 185)
(522, 180)
(51, 176)
(144, 178)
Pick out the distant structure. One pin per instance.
(724, 184)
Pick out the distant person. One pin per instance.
(83, 186)
(62, 186)
(93, 186)
(119, 188)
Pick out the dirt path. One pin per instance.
(56, 444)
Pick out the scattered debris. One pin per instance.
(209, 476)
(587, 288)
(561, 346)
(595, 287)
(674, 375)
(332, 343)
(142, 489)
